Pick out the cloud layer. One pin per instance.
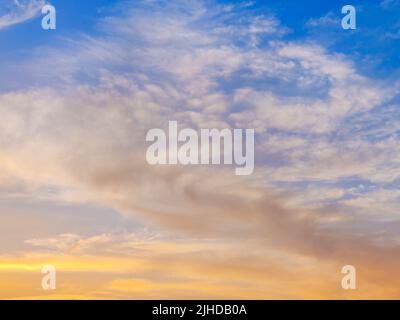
(14, 12)
(308, 209)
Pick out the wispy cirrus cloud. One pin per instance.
(14, 12)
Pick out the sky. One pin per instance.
(77, 193)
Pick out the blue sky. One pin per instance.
(375, 43)
(374, 46)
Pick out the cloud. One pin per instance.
(83, 131)
(387, 4)
(325, 21)
(108, 244)
(18, 11)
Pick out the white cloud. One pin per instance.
(98, 244)
(387, 4)
(324, 21)
(202, 68)
(19, 11)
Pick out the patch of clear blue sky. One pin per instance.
(375, 45)
(73, 16)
